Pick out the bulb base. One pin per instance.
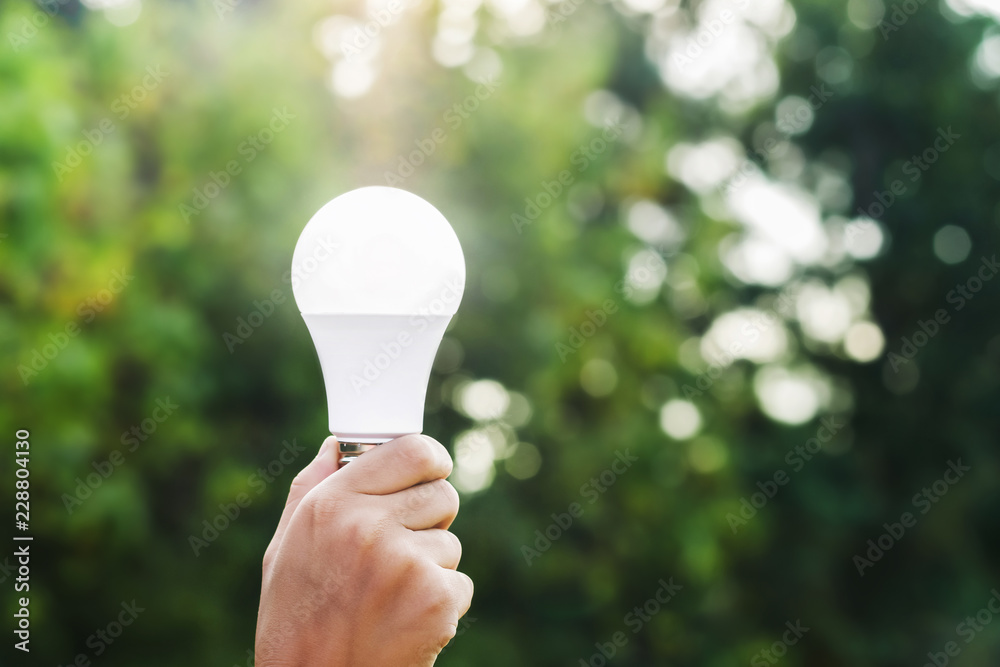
(376, 369)
(352, 450)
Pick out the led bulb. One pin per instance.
(378, 274)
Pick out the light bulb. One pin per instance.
(377, 273)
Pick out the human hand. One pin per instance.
(362, 568)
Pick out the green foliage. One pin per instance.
(67, 230)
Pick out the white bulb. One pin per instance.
(378, 274)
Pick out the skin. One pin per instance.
(362, 568)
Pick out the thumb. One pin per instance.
(321, 467)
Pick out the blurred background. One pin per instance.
(744, 246)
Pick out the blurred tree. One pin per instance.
(701, 345)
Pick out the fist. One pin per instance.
(362, 568)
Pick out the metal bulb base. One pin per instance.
(352, 450)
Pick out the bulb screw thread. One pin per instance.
(352, 450)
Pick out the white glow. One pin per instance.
(734, 61)
(473, 451)
(603, 107)
(645, 6)
(755, 260)
(784, 214)
(457, 27)
(864, 342)
(483, 400)
(378, 274)
(519, 411)
(523, 17)
(987, 58)
(970, 7)
(865, 14)
(351, 79)
(524, 462)
(792, 397)
(858, 293)
(773, 17)
(485, 65)
(653, 224)
(598, 377)
(834, 64)
(952, 244)
(508, 7)
(452, 54)
(395, 254)
(470, 480)
(793, 115)
(124, 14)
(863, 238)
(119, 13)
(823, 313)
(332, 33)
(704, 166)
(746, 333)
(680, 419)
(645, 274)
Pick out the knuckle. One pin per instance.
(448, 631)
(324, 506)
(451, 496)
(362, 532)
(446, 496)
(454, 545)
(268, 560)
(421, 452)
(354, 527)
(442, 603)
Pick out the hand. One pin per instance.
(361, 570)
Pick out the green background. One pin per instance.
(64, 234)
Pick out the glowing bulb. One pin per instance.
(378, 274)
